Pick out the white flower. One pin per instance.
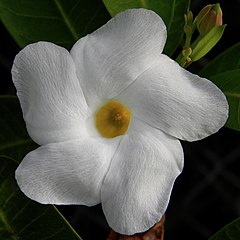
(108, 116)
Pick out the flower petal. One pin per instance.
(176, 101)
(109, 59)
(66, 173)
(50, 94)
(137, 187)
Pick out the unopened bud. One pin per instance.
(188, 18)
(208, 18)
(186, 57)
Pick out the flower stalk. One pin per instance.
(210, 30)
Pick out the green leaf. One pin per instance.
(58, 21)
(224, 71)
(171, 11)
(229, 232)
(22, 218)
(14, 140)
(226, 61)
(204, 44)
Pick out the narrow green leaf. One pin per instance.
(58, 21)
(22, 218)
(171, 11)
(229, 232)
(206, 43)
(224, 71)
(14, 139)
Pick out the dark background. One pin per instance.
(206, 196)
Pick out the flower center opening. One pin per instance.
(112, 119)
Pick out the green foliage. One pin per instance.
(229, 232)
(22, 218)
(172, 12)
(14, 140)
(224, 71)
(58, 21)
(226, 61)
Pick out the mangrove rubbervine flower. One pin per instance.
(109, 116)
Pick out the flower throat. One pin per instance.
(112, 119)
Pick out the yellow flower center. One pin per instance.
(112, 119)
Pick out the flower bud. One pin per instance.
(188, 18)
(209, 17)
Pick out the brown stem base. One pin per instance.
(154, 233)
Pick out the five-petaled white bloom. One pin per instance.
(108, 116)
